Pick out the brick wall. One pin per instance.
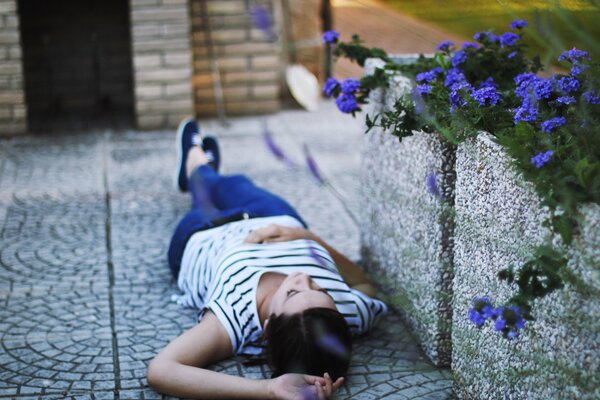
(12, 99)
(162, 62)
(247, 64)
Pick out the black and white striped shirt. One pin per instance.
(219, 272)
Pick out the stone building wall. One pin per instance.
(13, 113)
(162, 62)
(245, 76)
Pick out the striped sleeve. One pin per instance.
(371, 310)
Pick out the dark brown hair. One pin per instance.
(313, 342)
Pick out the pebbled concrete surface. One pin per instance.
(85, 289)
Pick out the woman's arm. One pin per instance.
(177, 371)
(352, 274)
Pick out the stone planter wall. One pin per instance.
(498, 222)
(406, 234)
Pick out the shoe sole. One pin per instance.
(182, 125)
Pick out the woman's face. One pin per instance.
(297, 293)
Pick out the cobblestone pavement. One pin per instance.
(84, 286)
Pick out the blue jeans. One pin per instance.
(216, 196)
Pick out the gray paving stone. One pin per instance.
(59, 310)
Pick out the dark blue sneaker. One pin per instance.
(210, 145)
(188, 135)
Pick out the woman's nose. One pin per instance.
(303, 280)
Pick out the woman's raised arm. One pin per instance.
(177, 371)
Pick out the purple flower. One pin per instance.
(512, 54)
(454, 76)
(549, 125)
(591, 97)
(261, 19)
(312, 166)
(276, 150)
(568, 84)
(444, 46)
(458, 58)
(470, 45)
(476, 318)
(541, 158)
(565, 100)
(423, 89)
(573, 54)
(486, 95)
(500, 324)
(519, 24)
(488, 311)
(509, 38)
(432, 186)
(346, 103)
(488, 82)
(455, 98)
(483, 36)
(350, 85)
(330, 37)
(526, 112)
(578, 68)
(525, 78)
(429, 76)
(543, 88)
(330, 85)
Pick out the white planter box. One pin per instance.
(498, 222)
(406, 234)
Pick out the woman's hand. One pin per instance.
(277, 233)
(303, 387)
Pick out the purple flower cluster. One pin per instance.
(508, 320)
(429, 76)
(445, 46)
(519, 24)
(454, 76)
(331, 37)
(591, 97)
(350, 86)
(486, 94)
(262, 19)
(424, 89)
(542, 158)
(458, 58)
(481, 37)
(346, 103)
(565, 100)
(549, 125)
(509, 38)
(568, 84)
(573, 55)
(330, 86)
(470, 45)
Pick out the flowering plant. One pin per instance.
(549, 125)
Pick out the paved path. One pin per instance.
(380, 26)
(84, 285)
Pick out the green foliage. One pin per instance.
(461, 93)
